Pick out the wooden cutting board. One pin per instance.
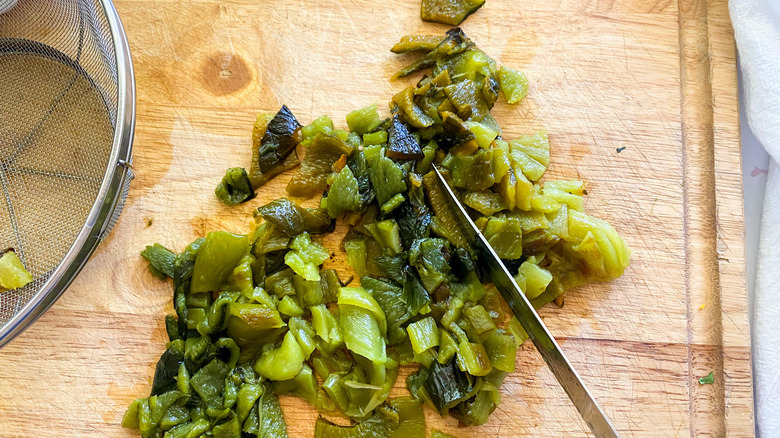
(639, 97)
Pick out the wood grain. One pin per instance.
(654, 76)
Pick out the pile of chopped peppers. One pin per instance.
(257, 315)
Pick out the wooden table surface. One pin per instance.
(656, 77)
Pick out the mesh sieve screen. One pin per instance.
(58, 111)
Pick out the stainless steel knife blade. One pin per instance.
(551, 352)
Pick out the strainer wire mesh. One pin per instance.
(61, 99)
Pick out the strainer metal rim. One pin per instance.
(109, 201)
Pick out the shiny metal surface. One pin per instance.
(551, 352)
(65, 163)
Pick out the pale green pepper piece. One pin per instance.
(282, 363)
(216, 259)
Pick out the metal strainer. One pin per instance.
(67, 113)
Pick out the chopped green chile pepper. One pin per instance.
(479, 319)
(428, 257)
(381, 424)
(447, 347)
(412, 113)
(387, 235)
(387, 178)
(504, 234)
(326, 326)
(235, 187)
(451, 12)
(514, 84)
(344, 194)
(360, 298)
(360, 325)
(458, 137)
(401, 144)
(364, 120)
(356, 255)
(429, 153)
(303, 385)
(411, 422)
(281, 363)
(252, 323)
(471, 172)
(423, 334)
(217, 257)
(390, 299)
(330, 285)
(473, 358)
(412, 43)
(270, 417)
(305, 257)
(161, 260)
(268, 238)
(281, 136)
(290, 306)
(501, 349)
(293, 219)
(485, 202)
(467, 99)
(454, 42)
(446, 385)
(483, 134)
(436, 433)
(309, 293)
(256, 315)
(373, 138)
(532, 279)
(323, 151)
(320, 125)
(281, 283)
(256, 176)
(392, 204)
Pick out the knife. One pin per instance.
(551, 352)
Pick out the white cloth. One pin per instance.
(757, 32)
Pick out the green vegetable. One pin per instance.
(219, 254)
(235, 187)
(281, 363)
(423, 334)
(293, 219)
(363, 324)
(387, 178)
(257, 315)
(321, 154)
(709, 379)
(451, 12)
(305, 257)
(280, 138)
(344, 194)
(390, 299)
(446, 385)
(13, 274)
(401, 144)
(435, 433)
(274, 138)
(514, 84)
(387, 234)
(270, 421)
(356, 255)
(411, 43)
(381, 424)
(501, 350)
(374, 138)
(161, 260)
(364, 120)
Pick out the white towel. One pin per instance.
(757, 32)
